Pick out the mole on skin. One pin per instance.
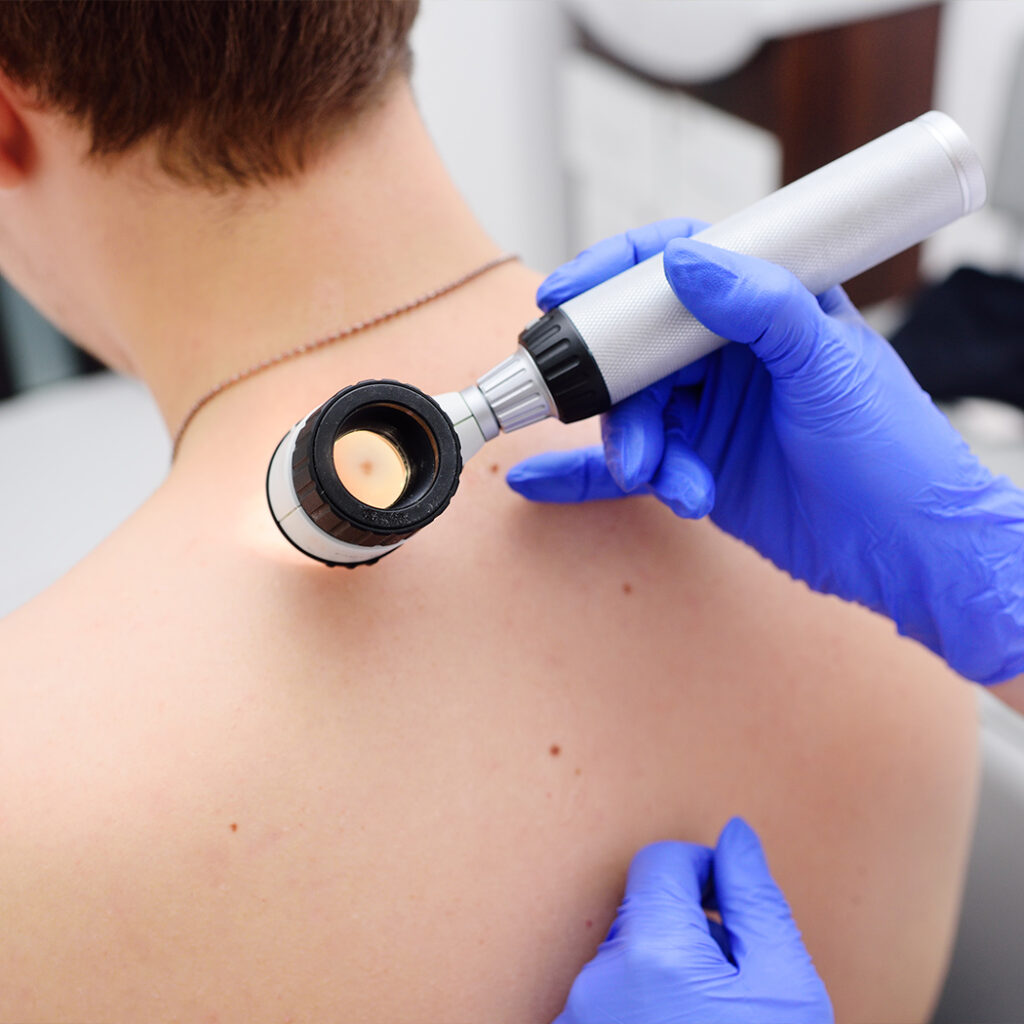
(370, 468)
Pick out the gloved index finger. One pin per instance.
(754, 910)
(565, 478)
(610, 257)
(633, 433)
(836, 303)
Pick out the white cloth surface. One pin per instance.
(694, 40)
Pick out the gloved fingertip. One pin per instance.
(740, 852)
(566, 477)
(741, 868)
(624, 449)
(608, 257)
(633, 433)
(701, 504)
(685, 484)
(693, 251)
(695, 268)
(551, 477)
(521, 480)
(738, 835)
(652, 238)
(555, 289)
(670, 866)
(685, 509)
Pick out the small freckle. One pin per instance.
(578, 771)
(234, 826)
(495, 467)
(590, 924)
(555, 750)
(627, 588)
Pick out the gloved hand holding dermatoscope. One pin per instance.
(604, 345)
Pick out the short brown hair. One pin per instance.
(234, 91)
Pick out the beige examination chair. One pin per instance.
(112, 451)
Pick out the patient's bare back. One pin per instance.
(239, 786)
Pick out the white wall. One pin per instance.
(978, 46)
(486, 81)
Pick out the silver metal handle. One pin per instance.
(825, 228)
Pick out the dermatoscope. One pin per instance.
(364, 471)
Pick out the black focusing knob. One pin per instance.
(412, 424)
(567, 366)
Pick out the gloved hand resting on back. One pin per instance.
(811, 442)
(665, 962)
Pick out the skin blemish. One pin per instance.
(590, 924)
(234, 826)
(495, 467)
(627, 588)
(579, 771)
(370, 467)
(555, 750)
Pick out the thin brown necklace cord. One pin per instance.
(347, 332)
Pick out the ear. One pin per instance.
(16, 147)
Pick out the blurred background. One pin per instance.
(564, 121)
(567, 120)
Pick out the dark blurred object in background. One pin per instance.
(824, 91)
(32, 351)
(965, 337)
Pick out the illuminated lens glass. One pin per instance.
(371, 468)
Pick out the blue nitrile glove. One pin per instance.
(665, 962)
(814, 444)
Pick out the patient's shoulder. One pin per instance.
(217, 751)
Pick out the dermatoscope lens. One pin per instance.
(371, 467)
(364, 472)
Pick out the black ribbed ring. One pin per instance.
(414, 423)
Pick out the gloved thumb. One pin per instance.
(662, 908)
(754, 911)
(744, 299)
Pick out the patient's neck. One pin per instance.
(231, 281)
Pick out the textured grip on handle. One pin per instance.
(825, 228)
